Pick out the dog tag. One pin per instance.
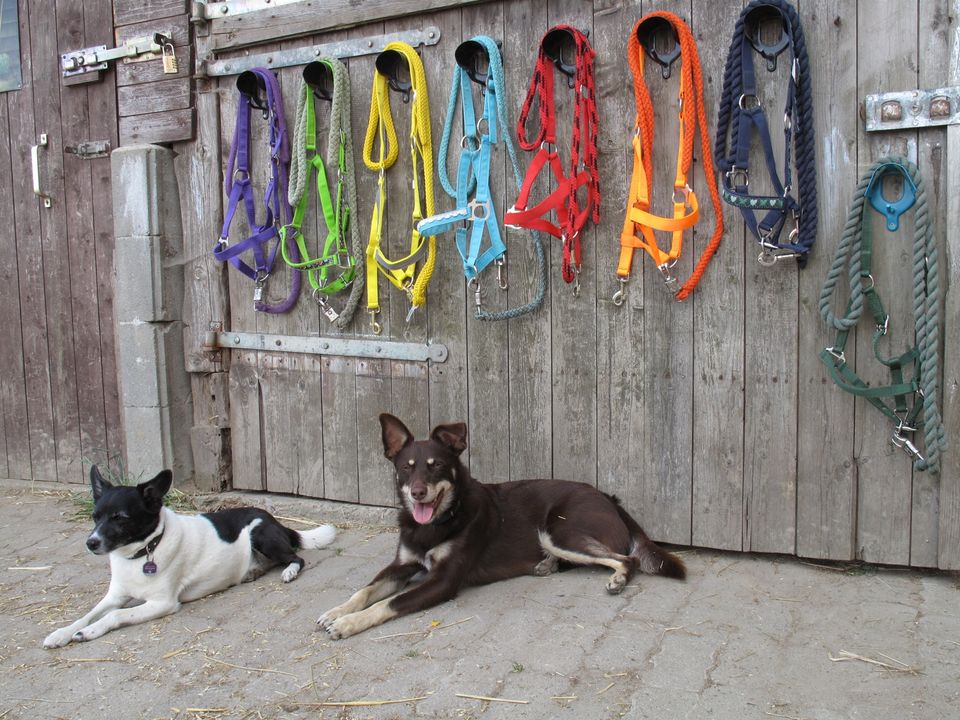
(170, 64)
(149, 568)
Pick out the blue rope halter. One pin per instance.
(474, 217)
(741, 112)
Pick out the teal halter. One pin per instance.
(474, 217)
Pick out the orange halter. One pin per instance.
(686, 208)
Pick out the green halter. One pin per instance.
(335, 266)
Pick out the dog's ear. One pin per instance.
(98, 483)
(154, 490)
(395, 435)
(454, 436)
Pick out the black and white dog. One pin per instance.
(164, 559)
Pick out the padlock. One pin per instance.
(170, 64)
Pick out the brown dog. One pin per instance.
(463, 532)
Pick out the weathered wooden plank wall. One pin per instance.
(58, 388)
(713, 419)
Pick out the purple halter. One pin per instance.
(238, 185)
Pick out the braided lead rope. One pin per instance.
(804, 147)
(496, 85)
(926, 298)
(340, 126)
(380, 122)
(274, 200)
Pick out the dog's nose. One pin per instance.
(93, 543)
(418, 491)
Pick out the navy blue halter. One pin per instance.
(741, 115)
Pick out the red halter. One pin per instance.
(583, 149)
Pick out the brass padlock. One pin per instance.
(170, 64)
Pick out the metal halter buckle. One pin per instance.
(511, 209)
(621, 295)
(375, 327)
(670, 281)
(576, 281)
(259, 282)
(501, 263)
(474, 284)
(733, 173)
(901, 441)
(837, 355)
(478, 210)
(325, 307)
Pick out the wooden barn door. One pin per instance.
(58, 387)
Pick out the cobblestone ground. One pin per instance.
(744, 637)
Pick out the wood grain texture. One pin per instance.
(59, 328)
(719, 451)
(712, 419)
(948, 541)
(621, 416)
(162, 127)
(935, 40)
(530, 337)
(127, 11)
(158, 97)
(770, 356)
(313, 16)
(885, 473)
(668, 348)
(13, 392)
(826, 469)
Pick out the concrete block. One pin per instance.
(148, 279)
(157, 439)
(145, 196)
(151, 363)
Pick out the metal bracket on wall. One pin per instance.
(347, 347)
(94, 59)
(205, 11)
(912, 109)
(301, 56)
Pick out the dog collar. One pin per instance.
(149, 567)
(448, 514)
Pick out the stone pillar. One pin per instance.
(155, 397)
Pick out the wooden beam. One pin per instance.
(311, 17)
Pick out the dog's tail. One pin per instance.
(650, 557)
(316, 538)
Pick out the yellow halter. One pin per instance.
(403, 272)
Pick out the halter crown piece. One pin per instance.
(855, 255)
(686, 208)
(571, 218)
(475, 216)
(335, 266)
(741, 112)
(402, 273)
(238, 185)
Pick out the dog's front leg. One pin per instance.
(150, 610)
(111, 601)
(439, 587)
(388, 581)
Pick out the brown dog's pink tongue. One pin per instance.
(423, 512)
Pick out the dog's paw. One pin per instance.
(90, 632)
(58, 638)
(546, 566)
(616, 583)
(340, 628)
(328, 618)
(290, 572)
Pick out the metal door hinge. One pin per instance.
(215, 339)
(912, 109)
(95, 59)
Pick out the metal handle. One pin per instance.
(35, 166)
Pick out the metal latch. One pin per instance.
(94, 59)
(912, 109)
(90, 149)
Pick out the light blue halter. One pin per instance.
(475, 217)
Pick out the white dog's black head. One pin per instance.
(429, 472)
(123, 514)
